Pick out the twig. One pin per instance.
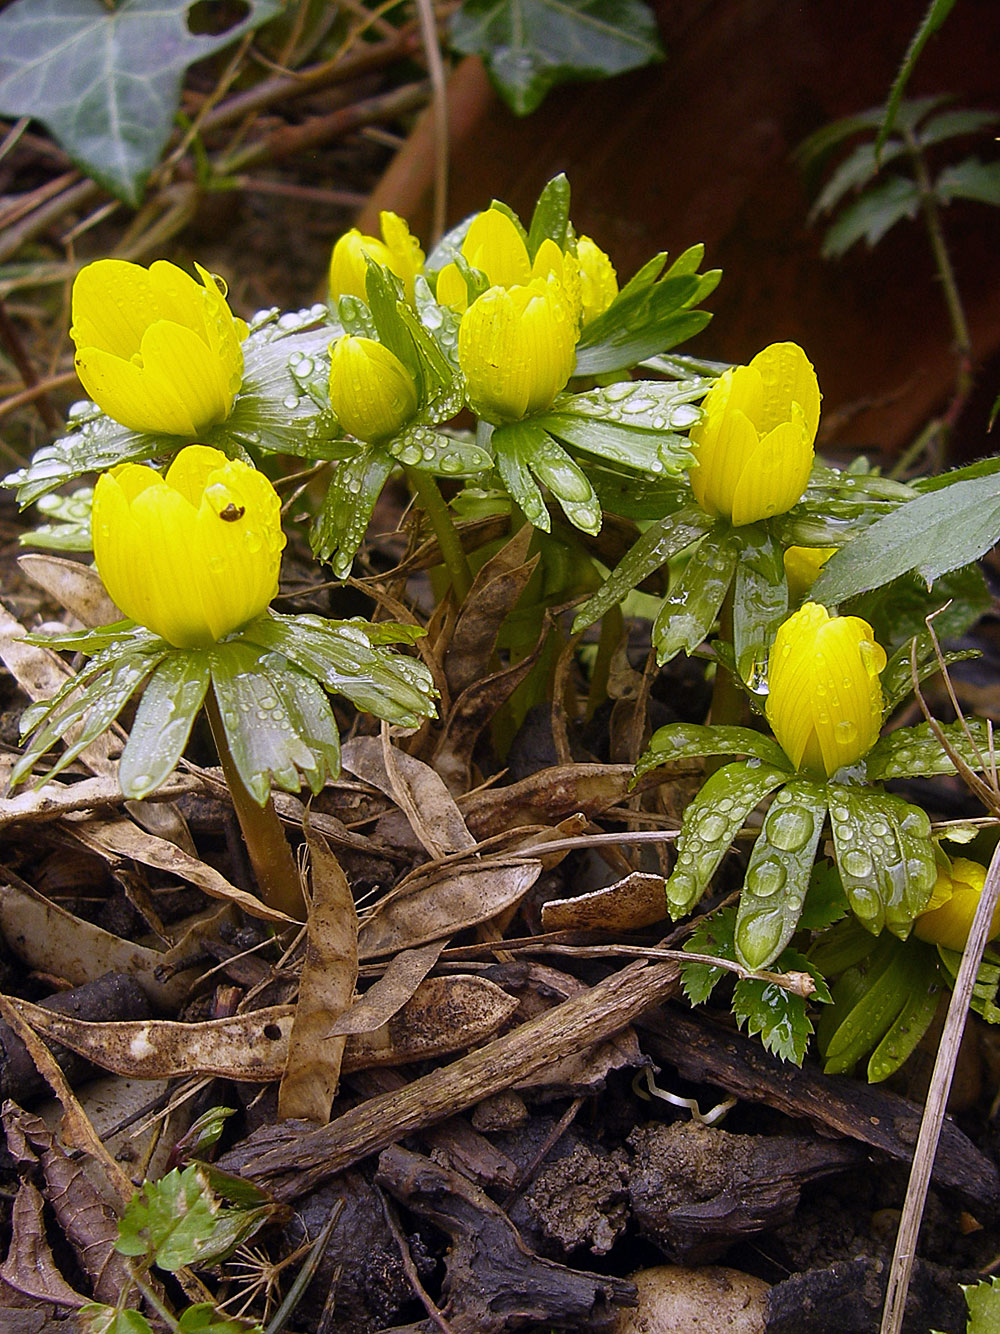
(37, 391)
(427, 1301)
(11, 340)
(439, 108)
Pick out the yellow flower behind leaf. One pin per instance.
(156, 350)
(754, 444)
(193, 554)
(802, 567)
(398, 251)
(824, 701)
(598, 280)
(517, 349)
(371, 391)
(954, 899)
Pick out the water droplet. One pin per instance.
(845, 732)
(841, 813)
(268, 702)
(857, 863)
(865, 902)
(879, 829)
(291, 402)
(216, 564)
(790, 828)
(712, 827)
(141, 781)
(766, 877)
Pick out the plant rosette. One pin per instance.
(754, 490)
(826, 706)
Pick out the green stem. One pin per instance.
(428, 493)
(278, 880)
(151, 1296)
(729, 704)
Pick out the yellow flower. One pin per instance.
(192, 555)
(824, 699)
(802, 567)
(598, 280)
(398, 251)
(754, 444)
(517, 349)
(494, 245)
(371, 391)
(154, 349)
(953, 903)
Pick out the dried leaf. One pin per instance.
(51, 801)
(447, 901)
(547, 797)
(309, 1083)
(495, 591)
(74, 586)
(29, 1267)
(638, 900)
(416, 788)
(386, 997)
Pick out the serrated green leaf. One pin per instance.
(689, 610)
(170, 702)
(96, 1318)
(983, 1301)
(950, 124)
(825, 901)
(550, 220)
(970, 179)
(524, 452)
(778, 872)
(341, 524)
(106, 82)
(885, 856)
(857, 169)
(779, 1016)
(898, 610)
(760, 603)
(654, 548)
(932, 534)
(713, 935)
(871, 215)
(710, 824)
(683, 741)
(914, 752)
(531, 45)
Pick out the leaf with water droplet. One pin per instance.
(778, 873)
(170, 702)
(915, 752)
(682, 741)
(689, 610)
(760, 603)
(340, 526)
(710, 824)
(779, 1016)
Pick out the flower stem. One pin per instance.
(435, 507)
(729, 705)
(278, 879)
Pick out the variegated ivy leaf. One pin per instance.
(915, 752)
(711, 822)
(885, 856)
(689, 610)
(424, 448)
(341, 524)
(170, 702)
(777, 877)
(525, 452)
(683, 741)
(760, 603)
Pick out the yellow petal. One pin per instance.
(494, 245)
(406, 259)
(349, 263)
(598, 280)
(787, 377)
(174, 358)
(452, 290)
(371, 391)
(124, 391)
(774, 474)
(722, 443)
(802, 567)
(954, 899)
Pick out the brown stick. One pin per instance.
(298, 1165)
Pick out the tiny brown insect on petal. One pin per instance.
(232, 512)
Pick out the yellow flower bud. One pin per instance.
(398, 251)
(371, 391)
(598, 280)
(802, 567)
(754, 444)
(824, 699)
(517, 349)
(194, 554)
(953, 903)
(154, 349)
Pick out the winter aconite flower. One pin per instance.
(598, 280)
(398, 251)
(517, 349)
(824, 699)
(754, 444)
(156, 350)
(192, 554)
(952, 906)
(496, 247)
(371, 391)
(802, 567)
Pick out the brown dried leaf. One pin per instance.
(30, 1267)
(76, 587)
(53, 800)
(386, 997)
(444, 902)
(416, 788)
(638, 900)
(546, 797)
(494, 593)
(309, 1083)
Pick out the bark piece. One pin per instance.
(493, 1281)
(847, 1297)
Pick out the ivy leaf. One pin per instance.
(531, 45)
(106, 82)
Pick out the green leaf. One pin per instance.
(204, 1318)
(937, 12)
(106, 82)
(897, 610)
(825, 901)
(524, 451)
(643, 321)
(96, 1318)
(856, 170)
(906, 1030)
(654, 548)
(970, 179)
(778, 873)
(684, 741)
(531, 45)
(170, 702)
(550, 219)
(885, 856)
(94, 444)
(689, 610)
(178, 1221)
(430, 451)
(342, 522)
(983, 1301)
(915, 752)
(714, 934)
(632, 496)
(897, 676)
(348, 658)
(760, 603)
(70, 526)
(953, 123)
(204, 1132)
(932, 534)
(872, 215)
(710, 824)
(780, 1017)
(633, 424)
